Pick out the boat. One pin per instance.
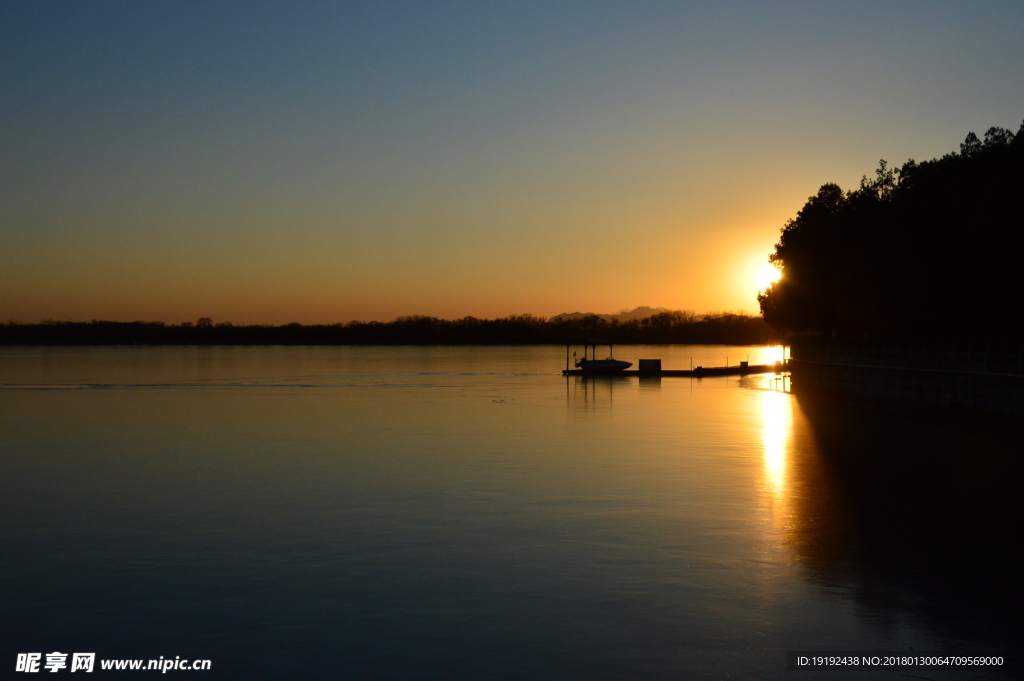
(593, 365)
(606, 365)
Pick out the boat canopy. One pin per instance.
(587, 343)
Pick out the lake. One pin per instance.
(470, 513)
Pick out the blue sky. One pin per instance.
(321, 162)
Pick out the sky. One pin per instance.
(273, 162)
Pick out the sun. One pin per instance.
(767, 275)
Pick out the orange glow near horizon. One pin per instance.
(317, 277)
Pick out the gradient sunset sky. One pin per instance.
(264, 162)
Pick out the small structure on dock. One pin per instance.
(650, 366)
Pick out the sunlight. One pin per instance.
(774, 353)
(776, 433)
(767, 274)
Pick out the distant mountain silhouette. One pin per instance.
(642, 312)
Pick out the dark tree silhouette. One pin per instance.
(930, 250)
(664, 327)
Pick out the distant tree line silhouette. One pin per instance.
(664, 327)
(928, 250)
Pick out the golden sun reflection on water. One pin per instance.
(776, 439)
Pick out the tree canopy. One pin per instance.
(929, 249)
(677, 326)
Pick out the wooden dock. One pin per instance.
(697, 372)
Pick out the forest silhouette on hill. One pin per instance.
(676, 326)
(929, 250)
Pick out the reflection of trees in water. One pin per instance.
(917, 513)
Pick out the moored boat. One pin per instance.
(606, 365)
(593, 365)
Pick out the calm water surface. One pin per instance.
(322, 512)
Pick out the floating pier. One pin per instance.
(697, 372)
(652, 367)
